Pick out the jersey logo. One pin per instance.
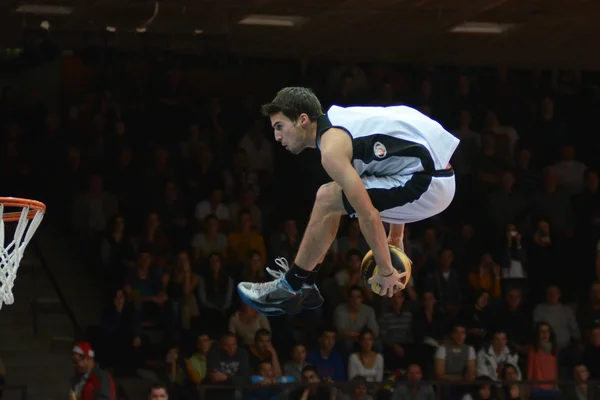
(379, 150)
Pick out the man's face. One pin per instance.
(229, 345)
(266, 370)
(328, 340)
(414, 373)
(263, 343)
(459, 334)
(355, 299)
(81, 364)
(203, 344)
(499, 341)
(158, 394)
(310, 377)
(292, 135)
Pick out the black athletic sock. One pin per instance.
(296, 277)
(312, 279)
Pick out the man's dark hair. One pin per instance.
(293, 101)
(157, 386)
(260, 333)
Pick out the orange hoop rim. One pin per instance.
(34, 207)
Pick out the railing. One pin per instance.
(443, 390)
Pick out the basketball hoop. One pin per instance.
(28, 215)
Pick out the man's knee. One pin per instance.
(329, 199)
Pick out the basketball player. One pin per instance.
(388, 164)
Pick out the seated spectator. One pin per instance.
(328, 362)
(445, 283)
(258, 149)
(514, 264)
(413, 388)
(313, 391)
(145, 291)
(227, 364)
(117, 252)
(367, 362)
(351, 276)
(478, 320)
(195, 366)
(239, 178)
(591, 355)
(358, 389)
(352, 239)
(455, 362)
(512, 391)
(513, 318)
(246, 322)
(296, 365)
(397, 332)
(254, 270)
(286, 242)
(182, 285)
(491, 360)
(482, 391)
(352, 318)
(210, 241)
(429, 326)
(245, 239)
(247, 201)
(488, 277)
(265, 377)
(582, 389)
(564, 325)
(215, 291)
(542, 364)
(174, 213)
(154, 239)
(262, 350)
(213, 206)
(588, 315)
(90, 381)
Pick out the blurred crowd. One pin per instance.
(175, 196)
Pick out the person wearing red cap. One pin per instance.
(91, 382)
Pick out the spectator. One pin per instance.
(492, 360)
(296, 365)
(247, 201)
(591, 355)
(246, 322)
(429, 329)
(195, 366)
(542, 364)
(569, 171)
(352, 318)
(262, 350)
(227, 364)
(482, 391)
(314, 391)
(254, 270)
(396, 325)
(210, 241)
(513, 318)
(478, 320)
(455, 362)
(512, 391)
(514, 264)
(215, 291)
(245, 239)
(213, 206)
(582, 389)
(445, 285)
(588, 316)
(358, 389)
(328, 362)
(367, 362)
(91, 381)
(154, 239)
(158, 391)
(182, 285)
(413, 389)
(487, 277)
(562, 320)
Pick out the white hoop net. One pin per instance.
(12, 253)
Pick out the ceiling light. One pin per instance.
(45, 25)
(287, 21)
(111, 29)
(140, 30)
(198, 31)
(482, 27)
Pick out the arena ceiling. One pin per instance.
(544, 32)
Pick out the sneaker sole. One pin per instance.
(291, 306)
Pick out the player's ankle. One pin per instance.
(296, 277)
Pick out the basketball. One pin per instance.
(400, 261)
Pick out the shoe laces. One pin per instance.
(282, 263)
(263, 288)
